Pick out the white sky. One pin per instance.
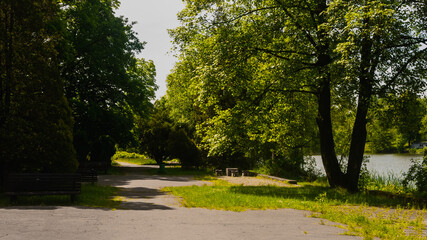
(153, 18)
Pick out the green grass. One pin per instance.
(95, 196)
(133, 158)
(138, 161)
(388, 183)
(364, 215)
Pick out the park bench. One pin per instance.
(247, 173)
(88, 175)
(231, 172)
(218, 172)
(97, 166)
(28, 184)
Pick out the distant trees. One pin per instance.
(163, 139)
(35, 119)
(397, 122)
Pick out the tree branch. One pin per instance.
(308, 36)
(275, 53)
(244, 14)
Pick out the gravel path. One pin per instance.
(151, 214)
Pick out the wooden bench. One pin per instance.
(247, 173)
(97, 166)
(233, 172)
(218, 172)
(88, 175)
(28, 184)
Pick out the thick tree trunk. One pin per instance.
(327, 145)
(333, 171)
(358, 137)
(357, 147)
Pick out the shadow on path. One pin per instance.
(140, 189)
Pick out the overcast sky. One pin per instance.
(153, 18)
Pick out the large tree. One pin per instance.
(257, 56)
(35, 119)
(106, 85)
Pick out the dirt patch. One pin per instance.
(256, 181)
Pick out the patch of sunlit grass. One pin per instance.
(364, 215)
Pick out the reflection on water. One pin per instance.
(383, 164)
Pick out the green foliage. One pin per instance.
(139, 160)
(417, 176)
(35, 118)
(181, 146)
(154, 133)
(107, 87)
(127, 155)
(255, 77)
(396, 122)
(103, 150)
(161, 139)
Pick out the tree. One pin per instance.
(284, 50)
(408, 112)
(35, 119)
(382, 134)
(107, 87)
(397, 122)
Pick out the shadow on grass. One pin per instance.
(92, 196)
(323, 194)
(111, 191)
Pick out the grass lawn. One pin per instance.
(91, 196)
(364, 215)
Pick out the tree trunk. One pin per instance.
(327, 144)
(324, 122)
(357, 147)
(358, 137)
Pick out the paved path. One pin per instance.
(152, 214)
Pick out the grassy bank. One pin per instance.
(133, 158)
(364, 215)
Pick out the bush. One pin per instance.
(417, 176)
(103, 150)
(127, 155)
(180, 146)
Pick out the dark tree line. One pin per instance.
(70, 84)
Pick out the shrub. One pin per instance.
(417, 176)
(180, 146)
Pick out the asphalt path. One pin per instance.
(148, 213)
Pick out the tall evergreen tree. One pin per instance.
(35, 119)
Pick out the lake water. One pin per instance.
(383, 164)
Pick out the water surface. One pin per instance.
(383, 164)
